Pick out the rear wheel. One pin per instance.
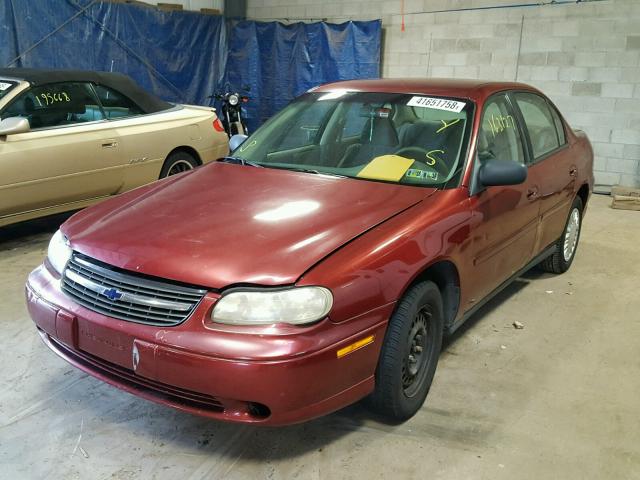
(410, 353)
(178, 162)
(567, 244)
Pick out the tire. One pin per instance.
(178, 162)
(567, 244)
(404, 374)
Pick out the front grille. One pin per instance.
(127, 296)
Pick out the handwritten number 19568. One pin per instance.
(49, 98)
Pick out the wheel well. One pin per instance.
(186, 149)
(445, 275)
(583, 193)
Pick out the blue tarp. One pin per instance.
(180, 56)
(186, 56)
(279, 62)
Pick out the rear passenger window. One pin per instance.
(539, 122)
(116, 105)
(559, 125)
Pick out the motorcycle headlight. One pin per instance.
(296, 306)
(59, 252)
(233, 100)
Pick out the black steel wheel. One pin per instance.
(410, 352)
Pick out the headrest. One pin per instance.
(371, 111)
(379, 131)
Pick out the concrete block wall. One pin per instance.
(585, 56)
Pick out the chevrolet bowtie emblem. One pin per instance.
(112, 294)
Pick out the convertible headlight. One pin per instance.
(296, 306)
(59, 251)
(233, 100)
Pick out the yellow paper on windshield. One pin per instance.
(386, 167)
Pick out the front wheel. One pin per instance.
(410, 353)
(178, 162)
(567, 244)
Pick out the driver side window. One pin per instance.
(499, 136)
(56, 105)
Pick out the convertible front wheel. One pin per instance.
(410, 353)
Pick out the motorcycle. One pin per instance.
(232, 112)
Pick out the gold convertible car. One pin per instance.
(71, 138)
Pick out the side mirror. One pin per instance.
(236, 141)
(12, 125)
(501, 172)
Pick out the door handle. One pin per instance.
(109, 144)
(573, 172)
(532, 193)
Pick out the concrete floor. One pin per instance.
(561, 400)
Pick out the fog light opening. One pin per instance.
(258, 410)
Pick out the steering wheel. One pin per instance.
(423, 156)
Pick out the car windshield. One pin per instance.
(5, 87)
(390, 137)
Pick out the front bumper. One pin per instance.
(270, 379)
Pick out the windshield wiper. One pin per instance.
(307, 170)
(239, 161)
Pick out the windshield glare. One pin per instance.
(399, 138)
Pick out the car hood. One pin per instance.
(226, 224)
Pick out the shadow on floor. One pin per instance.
(31, 231)
(509, 291)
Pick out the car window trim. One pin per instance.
(535, 160)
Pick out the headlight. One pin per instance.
(295, 306)
(233, 100)
(59, 251)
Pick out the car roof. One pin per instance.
(117, 81)
(472, 89)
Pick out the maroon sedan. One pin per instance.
(323, 261)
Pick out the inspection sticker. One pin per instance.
(4, 86)
(437, 103)
(421, 174)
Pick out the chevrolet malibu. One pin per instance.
(69, 139)
(325, 259)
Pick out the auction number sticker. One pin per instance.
(4, 86)
(437, 103)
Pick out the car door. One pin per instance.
(505, 217)
(71, 153)
(552, 164)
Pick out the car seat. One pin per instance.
(378, 137)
